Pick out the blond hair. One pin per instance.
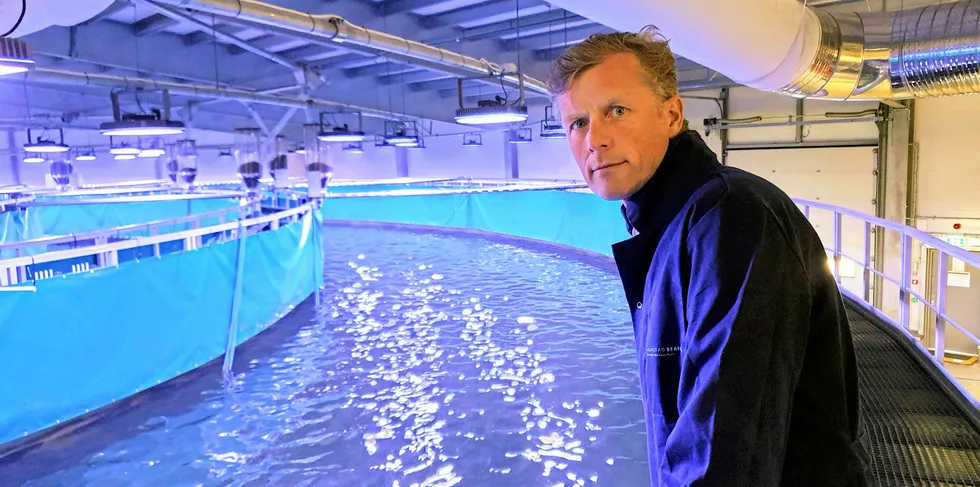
(648, 45)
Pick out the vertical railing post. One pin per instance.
(317, 250)
(21, 270)
(942, 277)
(837, 245)
(906, 280)
(236, 299)
(868, 229)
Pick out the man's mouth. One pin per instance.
(606, 166)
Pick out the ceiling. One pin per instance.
(133, 38)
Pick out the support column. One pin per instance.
(894, 201)
(511, 163)
(14, 156)
(799, 118)
(725, 93)
(401, 162)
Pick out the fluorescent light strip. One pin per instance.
(142, 131)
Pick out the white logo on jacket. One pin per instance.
(663, 351)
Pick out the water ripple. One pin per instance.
(434, 361)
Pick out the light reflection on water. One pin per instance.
(436, 361)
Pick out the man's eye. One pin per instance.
(619, 111)
(578, 124)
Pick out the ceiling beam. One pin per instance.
(475, 12)
(382, 69)
(555, 18)
(413, 77)
(152, 24)
(394, 7)
(113, 9)
(440, 84)
(312, 53)
(555, 38)
(176, 15)
(346, 61)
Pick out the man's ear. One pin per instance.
(674, 111)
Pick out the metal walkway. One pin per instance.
(917, 434)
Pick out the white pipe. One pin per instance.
(766, 44)
(786, 47)
(337, 29)
(41, 14)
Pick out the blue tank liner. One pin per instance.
(581, 220)
(43, 221)
(87, 339)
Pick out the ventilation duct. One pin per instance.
(19, 18)
(337, 29)
(805, 52)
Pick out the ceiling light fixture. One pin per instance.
(141, 124)
(147, 153)
(341, 133)
(33, 159)
(14, 56)
(520, 135)
(550, 127)
(42, 144)
(154, 147)
(354, 147)
(399, 133)
(123, 148)
(492, 111)
(85, 154)
(472, 140)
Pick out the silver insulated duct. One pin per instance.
(786, 47)
(923, 52)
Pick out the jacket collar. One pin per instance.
(687, 165)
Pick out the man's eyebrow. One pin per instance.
(613, 102)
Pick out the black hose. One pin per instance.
(23, 11)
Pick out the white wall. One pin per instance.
(373, 163)
(547, 159)
(446, 157)
(949, 162)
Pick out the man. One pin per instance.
(746, 364)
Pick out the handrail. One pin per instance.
(915, 233)
(433, 191)
(150, 198)
(94, 234)
(12, 269)
(4, 203)
(904, 282)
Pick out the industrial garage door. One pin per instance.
(841, 176)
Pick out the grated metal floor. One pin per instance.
(917, 436)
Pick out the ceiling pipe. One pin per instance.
(339, 30)
(786, 47)
(203, 91)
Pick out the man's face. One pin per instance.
(618, 128)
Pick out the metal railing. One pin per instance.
(14, 271)
(151, 227)
(10, 203)
(433, 190)
(906, 292)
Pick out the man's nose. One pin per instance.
(599, 136)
